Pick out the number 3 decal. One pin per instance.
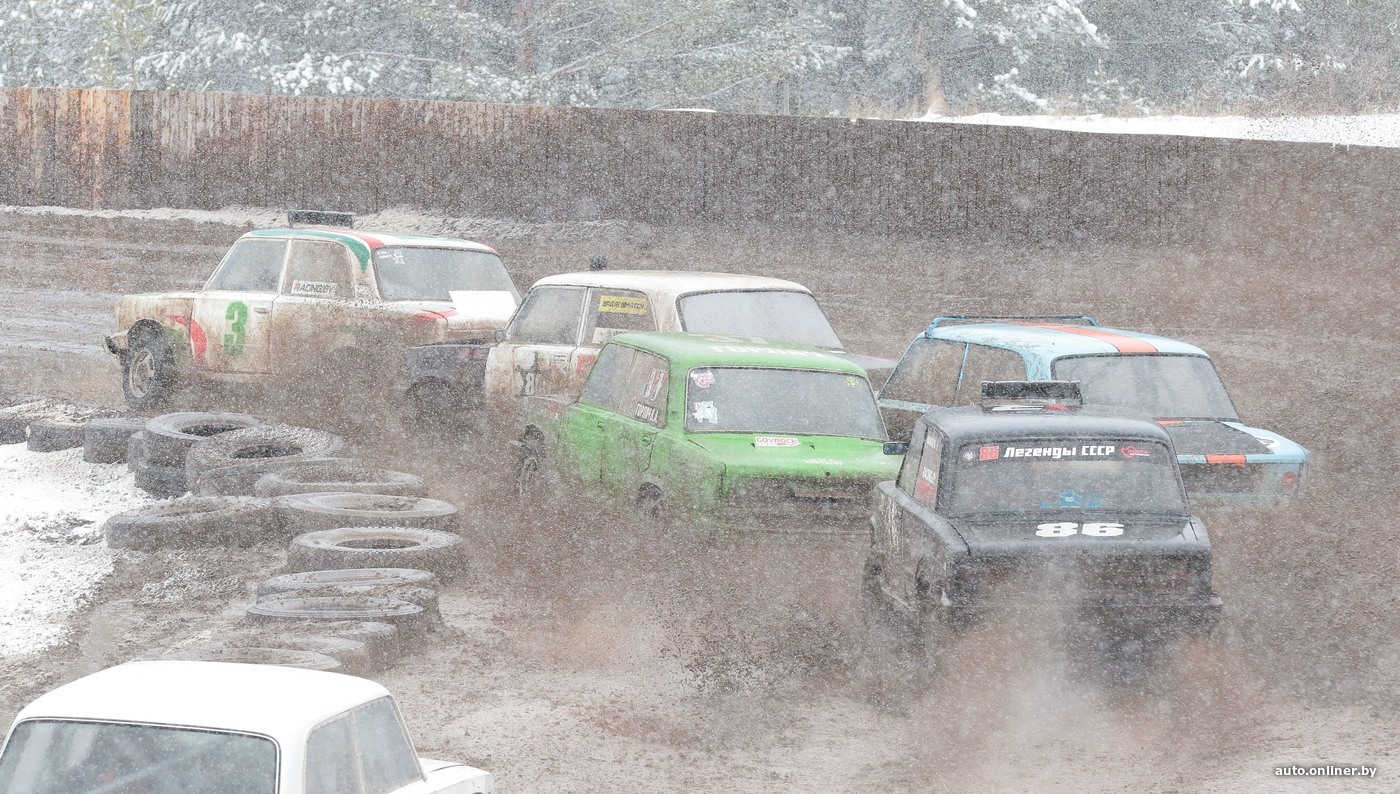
(1063, 529)
(237, 316)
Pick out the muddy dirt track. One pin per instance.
(587, 652)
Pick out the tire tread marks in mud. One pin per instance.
(316, 511)
(193, 523)
(377, 547)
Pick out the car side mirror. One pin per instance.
(896, 447)
(499, 335)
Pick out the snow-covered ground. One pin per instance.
(52, 558)
(1368, 130)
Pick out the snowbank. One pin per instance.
(52, 557)
(1370, 130)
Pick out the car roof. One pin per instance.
(974, 423)
(670, 284)
(282, 702)
(364, 242)
(718, 350)
(1055, 340)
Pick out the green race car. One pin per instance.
(731, 432)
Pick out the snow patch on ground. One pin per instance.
(52, 559)
(1382, 129)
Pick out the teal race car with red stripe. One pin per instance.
(1223, 461)
(324, 299)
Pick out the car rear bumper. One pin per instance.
(1194, 614)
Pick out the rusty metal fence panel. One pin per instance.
(116, 149)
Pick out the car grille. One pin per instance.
(768, 499)
(1208, 478)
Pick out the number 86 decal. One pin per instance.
(1063, 529)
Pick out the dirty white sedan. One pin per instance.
(320, 298)
(173, 727)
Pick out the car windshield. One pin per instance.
(60, 757)
(432, 274)
(796, 401)
(1163, 387)
(774, 314)
(1037, 475)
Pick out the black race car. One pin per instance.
(1029, 500)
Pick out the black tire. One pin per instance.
(425, 597)
(162, 482)
(149, 371)
(339, 476)
(13, 428)
(52, 435)
(310, 512)
(193, 523)
(107, 440)
(651, 503)
(281, 657)
(377, 547)
(381, 640)
(273, 444)
(237, 480)
(534, 481)
(170, 436)
(136, 450)
(354, 577)
(353, 655)
(396, 611)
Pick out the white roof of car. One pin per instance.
(669, 284)
(282, 702)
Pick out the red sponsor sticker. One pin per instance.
(1134, 452)
(775, 441)
(704, 379)
(989, 453)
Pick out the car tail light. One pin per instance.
(1289, 480)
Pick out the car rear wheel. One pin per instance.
(148, 370)
(651, 503)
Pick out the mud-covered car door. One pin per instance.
(906, 520)
(585, 424)
(540, 352)
(232, 313)
(628, 434)
(311, 315)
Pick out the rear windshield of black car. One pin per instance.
(1161, 386)
(1038, 475)
(409, 273)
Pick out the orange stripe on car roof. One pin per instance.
(1124, 343)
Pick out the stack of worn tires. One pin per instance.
(363, 566)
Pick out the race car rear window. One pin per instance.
(432, 274)
(250, 266)
(1161, 386)
(792, 401)
(774, 314)
(1038, 475)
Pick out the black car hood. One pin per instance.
(1016, 535)
(1213, 438)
